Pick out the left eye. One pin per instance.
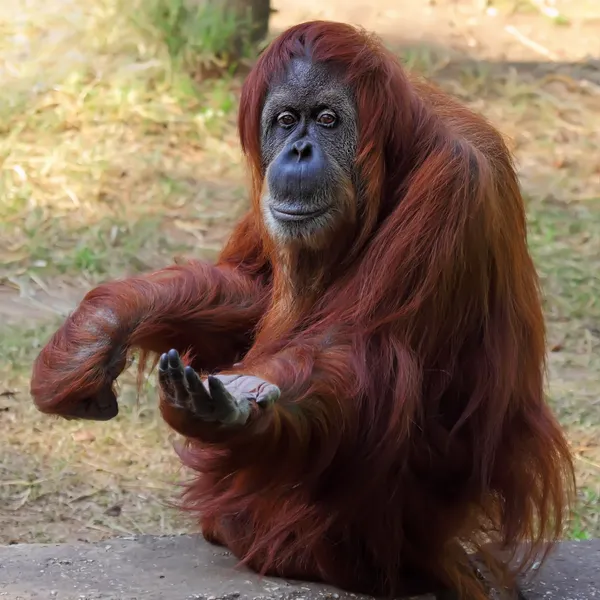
(286, 119)
(326, 118)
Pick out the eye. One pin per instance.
(286, 119)
(327, 118)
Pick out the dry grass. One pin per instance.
(112, 161)
(97, 152)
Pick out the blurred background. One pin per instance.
(118, 152)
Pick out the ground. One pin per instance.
(113, 161)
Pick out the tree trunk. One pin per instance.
(253, 15)
(261, 11)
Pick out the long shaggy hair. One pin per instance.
(412, 422)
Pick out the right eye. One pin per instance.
(286, 119)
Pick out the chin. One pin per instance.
(308, 228)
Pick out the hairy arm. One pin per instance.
(301, 424)
(208, 309)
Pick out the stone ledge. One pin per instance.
(187, 568)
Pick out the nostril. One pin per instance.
(302, 149)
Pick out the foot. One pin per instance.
(224, 399)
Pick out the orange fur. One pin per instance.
(412, 419)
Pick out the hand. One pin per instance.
(74, 375)
(100, 405)
(224, 399)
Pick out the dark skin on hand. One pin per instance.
(225, 399)
(360, 375)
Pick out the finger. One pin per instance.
(193, 380)
(203, 404)
(267, 394)
(171, 378)
(175, 372)
(175, 365)
(227, 409)
(163, 362)
(164, 381)
(163, 367)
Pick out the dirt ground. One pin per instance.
(106, 172)
(494, 32)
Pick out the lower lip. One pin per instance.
(286, 216)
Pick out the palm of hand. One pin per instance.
(223, 399)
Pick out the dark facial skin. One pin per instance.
(309, 138)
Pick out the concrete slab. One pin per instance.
(572, 572)
(187, 568)
(145, 567)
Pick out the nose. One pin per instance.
(302, 150)
(299, 171)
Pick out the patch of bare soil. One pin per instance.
(20, 306)
(492, 31)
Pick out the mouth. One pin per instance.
(290, 213)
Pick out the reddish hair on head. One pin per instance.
(379, 84)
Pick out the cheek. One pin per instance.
(273, 141)
(341, 150)
(267, 157)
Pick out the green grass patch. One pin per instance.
(199, 36)
(565, 241)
